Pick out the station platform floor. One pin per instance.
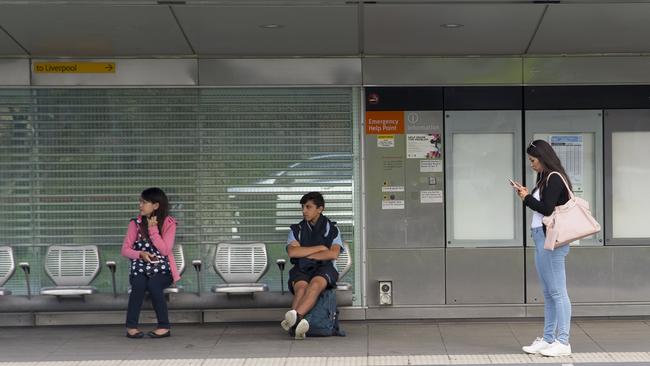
(595, 341)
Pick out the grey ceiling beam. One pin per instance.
(539, 24)
(2, 29)
(180, 27)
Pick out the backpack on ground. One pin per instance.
(324, 317)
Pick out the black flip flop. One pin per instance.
(153, 334)
(135, 335)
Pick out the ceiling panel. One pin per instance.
(486, 1)
(8, 47)
(594, 28)
(495, 29)
(406, 2)
(61, 30)
(303, 31)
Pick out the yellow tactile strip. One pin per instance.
(486, 359)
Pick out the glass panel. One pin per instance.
(579, 161)
(577, 137)
(261, 151)
(482, 199)
(234, 163)
(16, 138)
(630, 176)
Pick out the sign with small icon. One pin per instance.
(74, 67)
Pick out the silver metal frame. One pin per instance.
(8, 253)
(610, 127)
(551, 126)
(504, 126)
(14, 72)
(72, 280)
(343, 266)
(360, 222)
(439, 71)
(244, 282)
(179, 258)
(344, 71)
(280, 72)
(585, 70)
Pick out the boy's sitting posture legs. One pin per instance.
(304, 300)
(291, 316)
(312, 245)
(307, 302)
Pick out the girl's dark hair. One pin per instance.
(155, 195)
(544, 152)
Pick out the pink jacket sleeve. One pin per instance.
(164, 243)
(129, 239)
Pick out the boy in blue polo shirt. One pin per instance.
(313, 245)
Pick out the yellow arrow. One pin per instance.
(74, 67)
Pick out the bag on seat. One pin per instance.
(324, 317)
(569, 222)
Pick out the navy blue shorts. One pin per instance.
(323, 269)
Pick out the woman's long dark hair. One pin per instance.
(155, 195)
(544, 152)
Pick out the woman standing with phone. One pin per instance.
(548, 193)
(148, 243)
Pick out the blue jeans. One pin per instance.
(552, 276)
(155, 286)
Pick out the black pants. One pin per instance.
(302, 272)
(155, 286)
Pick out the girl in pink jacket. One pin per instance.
(148, 244)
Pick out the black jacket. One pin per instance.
(553, 193)
(308, 235)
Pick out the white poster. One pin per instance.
(385, 141)
(570, 150)
(392, 204)
(423, 146)
(392, 188)
(431, 197)
(430, 166)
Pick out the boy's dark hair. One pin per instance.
(315, 197)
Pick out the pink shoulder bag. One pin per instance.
(569, 222)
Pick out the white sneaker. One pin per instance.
(290, 318)
(537, 345)
(556, 349)
(301, 329)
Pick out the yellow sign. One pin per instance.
(74, 67)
